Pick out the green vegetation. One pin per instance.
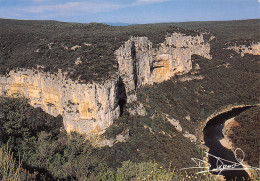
(246, 135)
(38, 144)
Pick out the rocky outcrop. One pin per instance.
(254, 49)
(86, 108)
(174, 122)
(140, 63)
(120, 138)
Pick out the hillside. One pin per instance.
(141, 94)
(45, 42)
(57, 45)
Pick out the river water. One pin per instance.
(212, 136)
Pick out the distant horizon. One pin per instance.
(125, 23)
(130, 11)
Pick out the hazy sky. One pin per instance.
(130, 11)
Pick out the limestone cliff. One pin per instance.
(92, 107)
(86, 108)
(140, 63)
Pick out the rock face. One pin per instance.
(86, 108)
(91, 108)
(243, 49)
(140, 63)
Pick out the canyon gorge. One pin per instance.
(130, 97)
(91, 108)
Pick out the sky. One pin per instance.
(130, 11)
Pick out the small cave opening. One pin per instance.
(154, 66)
(121, 95)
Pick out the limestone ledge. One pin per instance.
(243, 49)
(86, 108)
(177, 125)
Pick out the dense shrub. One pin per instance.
(153, 171)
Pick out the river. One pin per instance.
(212, 136)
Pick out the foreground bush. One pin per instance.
(11, 170)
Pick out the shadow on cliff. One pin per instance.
(133, 55)
(121, 95)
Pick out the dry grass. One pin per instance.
(9, 169)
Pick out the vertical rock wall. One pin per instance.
(86, 108)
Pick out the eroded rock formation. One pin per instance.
(91, 108)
